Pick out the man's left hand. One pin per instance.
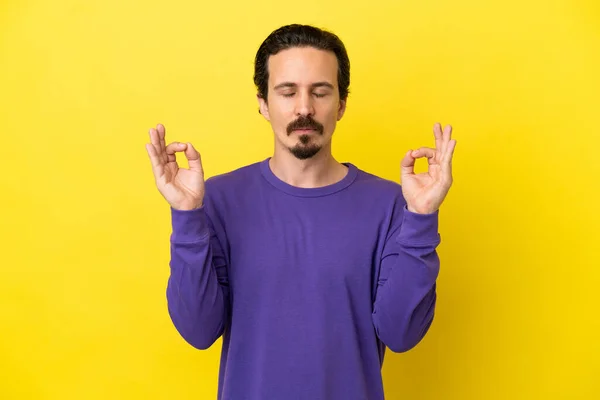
(425, 192)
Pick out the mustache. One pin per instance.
(304, 122)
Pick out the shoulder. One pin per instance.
(379, 188)
(228, 181)
(223, 191)
(238, 174)
(386, 200)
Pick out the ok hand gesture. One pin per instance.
(425, 192)
(182, 188)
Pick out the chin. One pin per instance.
(304, 152)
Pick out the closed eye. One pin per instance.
(318, 95)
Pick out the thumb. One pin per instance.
(193, 157)
(408, 164)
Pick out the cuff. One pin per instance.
(189, 225)
(419, 229)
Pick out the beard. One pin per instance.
(305, 148)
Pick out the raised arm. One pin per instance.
(197, 289)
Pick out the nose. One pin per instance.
(304, 104)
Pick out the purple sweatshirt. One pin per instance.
(306, 286)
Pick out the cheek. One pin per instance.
(279, 119)
(279, 110)
(331, 115)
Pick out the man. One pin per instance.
(307, 267)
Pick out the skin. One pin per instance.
(303, 82)
(303, 85)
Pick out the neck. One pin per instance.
(320, 170)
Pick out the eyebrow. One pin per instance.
(293, 85)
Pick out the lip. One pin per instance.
(304, 130)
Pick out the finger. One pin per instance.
(173, 148)
(446, 135)
(162, 134)
(447, 162)
(194, 159)
(155, 140)
(447, 158)
(157, 164)
(407, 165)
(437, 133)
(427, 152)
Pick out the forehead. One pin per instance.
(303, 66)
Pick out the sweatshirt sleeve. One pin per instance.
(197, 289)
(406, 289)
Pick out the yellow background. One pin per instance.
(84, 249)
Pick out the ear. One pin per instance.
(341, 109)
(263, 107)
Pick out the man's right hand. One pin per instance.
(182, 188)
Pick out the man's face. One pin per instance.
(303, 103)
